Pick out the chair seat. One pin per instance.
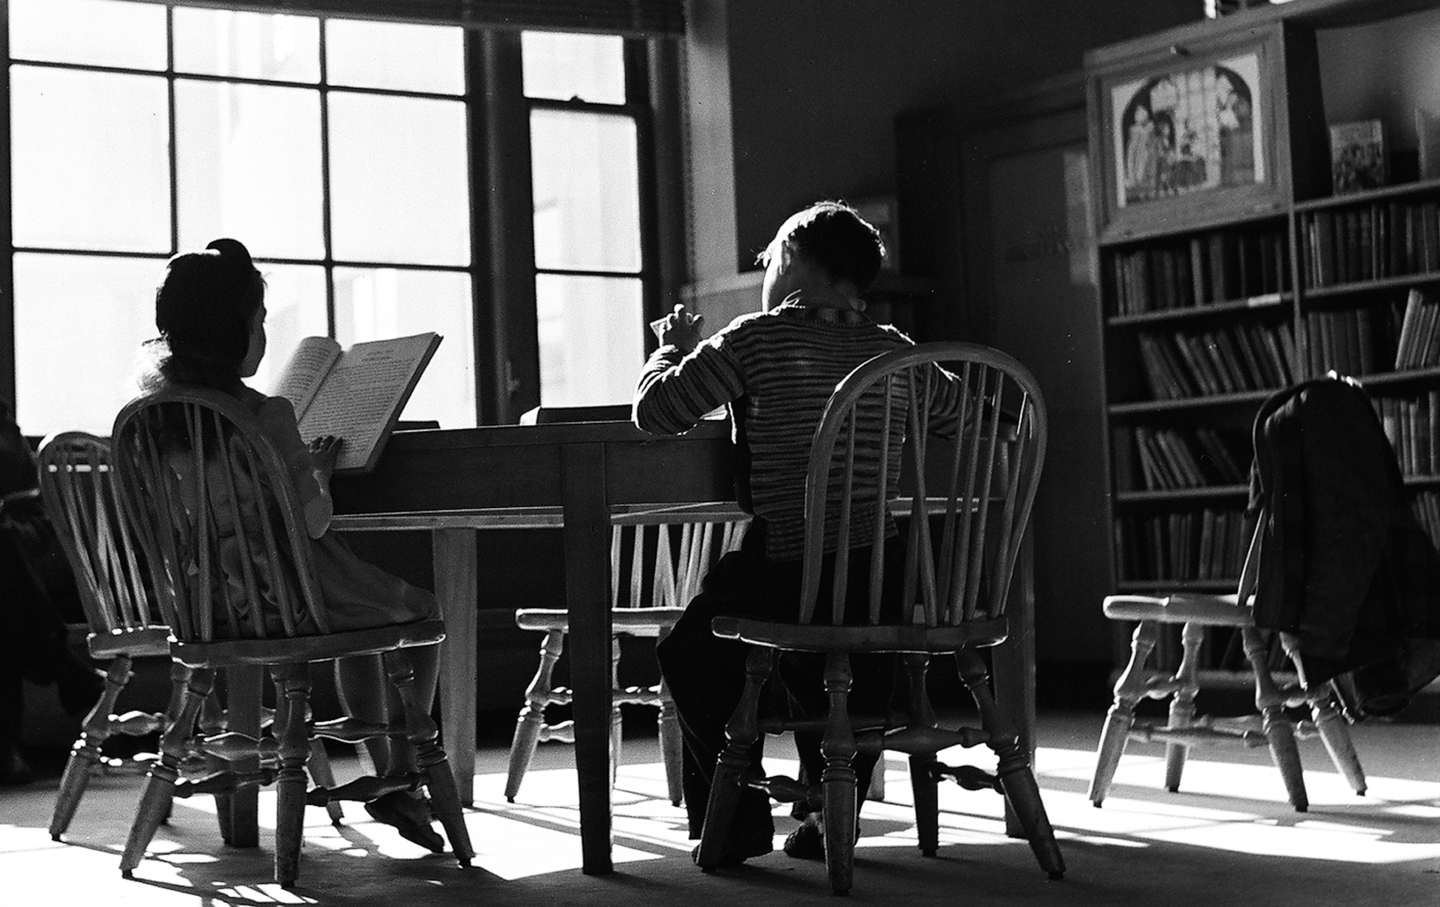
(888, 638)
(292, 650)
(630, 621)
(1180, 608)
(139, 643)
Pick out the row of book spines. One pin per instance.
(1168, 460)
(1207, 544)
(1342, 340)
(1244, 357)
(1409, 423)
(1210, 269)
(1426, 506)
(1384, 239)
(1419, 339)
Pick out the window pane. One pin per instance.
(250, 45)
(586, 186)
(114, 298)
(248, 158)
(586, 67)
(591, 339)
(399, 191)
(99, 32)
(294, 308)
(398, 56)
(372, 304)
(90, 153)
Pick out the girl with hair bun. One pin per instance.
(210, 312)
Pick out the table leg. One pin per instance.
(243, 691)
(455, 565)
(587, 597)
(1014, 663)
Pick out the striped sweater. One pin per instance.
(775, 370)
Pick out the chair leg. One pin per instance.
(160, 784)
(837, 782)
(1182, 702)
(324, 776)
(1014, 773)
(617, 726)
(1335, 732)
(1279, 732)
(424, 736)
(292, 697)
(85, 754)
(532, 715)
(1129, 688)
(924, 783)
(741, 732)
(672, 747)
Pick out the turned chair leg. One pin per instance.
(430, 758)
(924, 783)
(1182, 702)
(1129, 689)
(837, 747)
(1279, 732)
(741, 732)
(85, 754)
(160, 784)
(532, 715)
(1329, 719)
(1335, 733)
(672, 747)
(1014, 772)
(292, 697)
(617, 726)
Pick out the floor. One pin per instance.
(1228, 837)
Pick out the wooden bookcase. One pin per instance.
(1216, 292)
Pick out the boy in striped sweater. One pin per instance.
(775, 369)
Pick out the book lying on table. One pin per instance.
(355, 394)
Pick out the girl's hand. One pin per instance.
(323, 451)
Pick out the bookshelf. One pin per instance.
(1218, 288)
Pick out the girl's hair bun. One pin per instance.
(232, 250)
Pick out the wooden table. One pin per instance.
(457, 483)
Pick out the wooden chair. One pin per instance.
(1268, 726)
(80, 502)
(191, 465)
(665, 552)
(971, 503)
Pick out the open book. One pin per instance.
(355, 394)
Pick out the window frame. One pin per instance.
(502, 262)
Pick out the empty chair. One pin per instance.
(963, 522)
(79, 498)
(192, 464)
(657, 558)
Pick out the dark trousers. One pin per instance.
(706, 675)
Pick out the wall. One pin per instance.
(816, 84)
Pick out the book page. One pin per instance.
(362, 396)
(306, 371)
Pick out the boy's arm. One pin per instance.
(675, 389)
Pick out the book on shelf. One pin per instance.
(1427, 134)
(1357, 156)
(1419, 332)
(355, 394)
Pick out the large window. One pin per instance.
(349, 156)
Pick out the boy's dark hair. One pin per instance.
(203, 309)
(834, 236)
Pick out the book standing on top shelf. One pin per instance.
(356, 394)
(1357, 156)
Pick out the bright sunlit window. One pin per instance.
(341, 153)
